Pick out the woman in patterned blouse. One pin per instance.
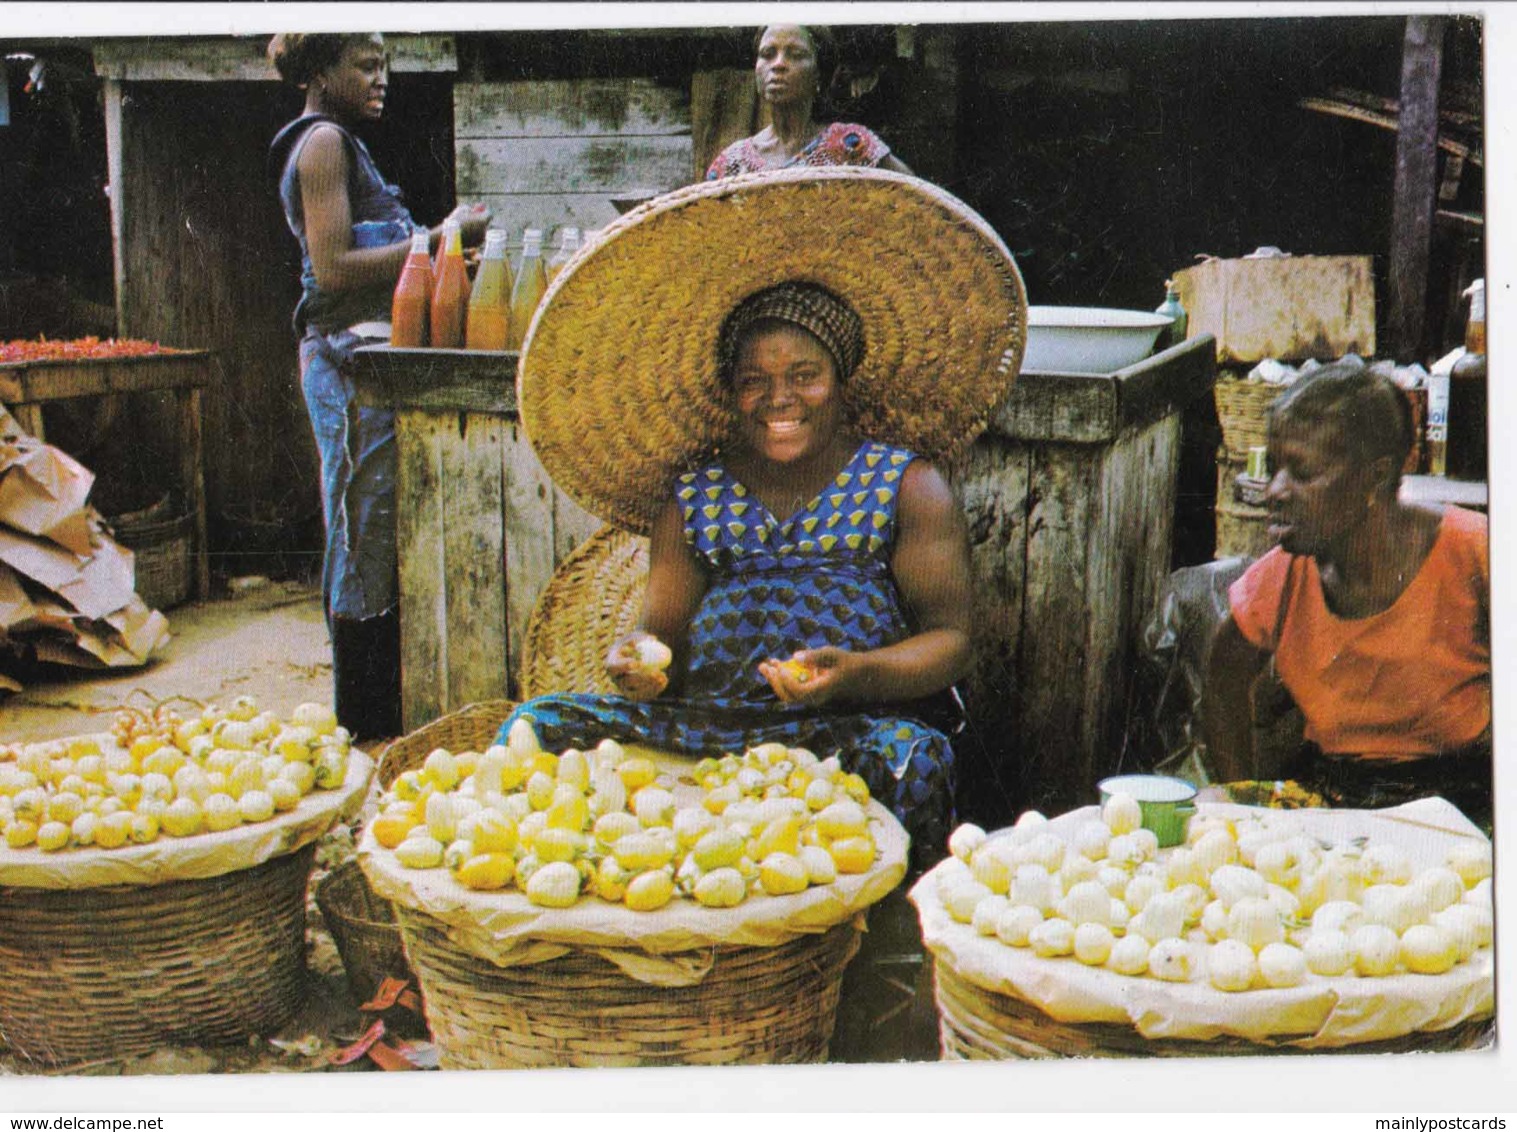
(788, 72)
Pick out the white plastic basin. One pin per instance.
(1089, 339)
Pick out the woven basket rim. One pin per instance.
(618, 382)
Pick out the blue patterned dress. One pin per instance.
(821, 577)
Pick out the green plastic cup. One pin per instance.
(1167, 803)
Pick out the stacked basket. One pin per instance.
(1242, 408)
(753, 1005)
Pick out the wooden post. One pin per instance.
(113, 143)
(1416, 179)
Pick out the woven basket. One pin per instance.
(1242, 530)
(756, 1005)
(975, 1024)
(161, 550)
(112, 972)
(1241, 407)
(364, 928)
(593, 599)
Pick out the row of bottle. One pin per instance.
(1457, 401)
(435, 304)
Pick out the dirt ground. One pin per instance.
(269, 640)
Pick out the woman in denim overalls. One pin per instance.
(354, 232)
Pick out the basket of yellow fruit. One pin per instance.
(153, 878)
(620, 906)
(1265, 931)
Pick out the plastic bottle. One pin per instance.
(1171, 309)
(568, 244)
(527, 290)
(409, 309)
(1467, 408)
(450, 292)
(489, 323)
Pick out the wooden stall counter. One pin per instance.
(1070, 496)
(181, 374)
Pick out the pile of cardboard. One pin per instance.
(66, 587)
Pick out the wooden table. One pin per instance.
(26, 386)
(1070, 497)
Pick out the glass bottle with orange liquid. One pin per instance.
(410, 309)
(489, 323)
(527, 290)
(450, 292)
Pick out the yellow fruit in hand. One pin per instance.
(852, 854)
(183, 818)
(721, 888)
(486, 871)
(649, 891)
(554, 885)
(781, 874)
(53, 835)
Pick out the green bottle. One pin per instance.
(1172, 310)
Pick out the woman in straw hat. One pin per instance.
(809, 569)
(790, 61)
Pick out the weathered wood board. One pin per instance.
(242, 58)
(1289, 308)
(554, 154)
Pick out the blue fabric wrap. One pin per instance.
(821, 577)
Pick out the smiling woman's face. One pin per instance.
(786, 393)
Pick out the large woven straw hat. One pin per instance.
(618, 384)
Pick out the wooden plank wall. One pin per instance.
(550, 154)
(205, 261)
(484, 532)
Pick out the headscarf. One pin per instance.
(811, 307)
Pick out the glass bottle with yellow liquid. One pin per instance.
(527, 290)
(490, 299)
(568, 244)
